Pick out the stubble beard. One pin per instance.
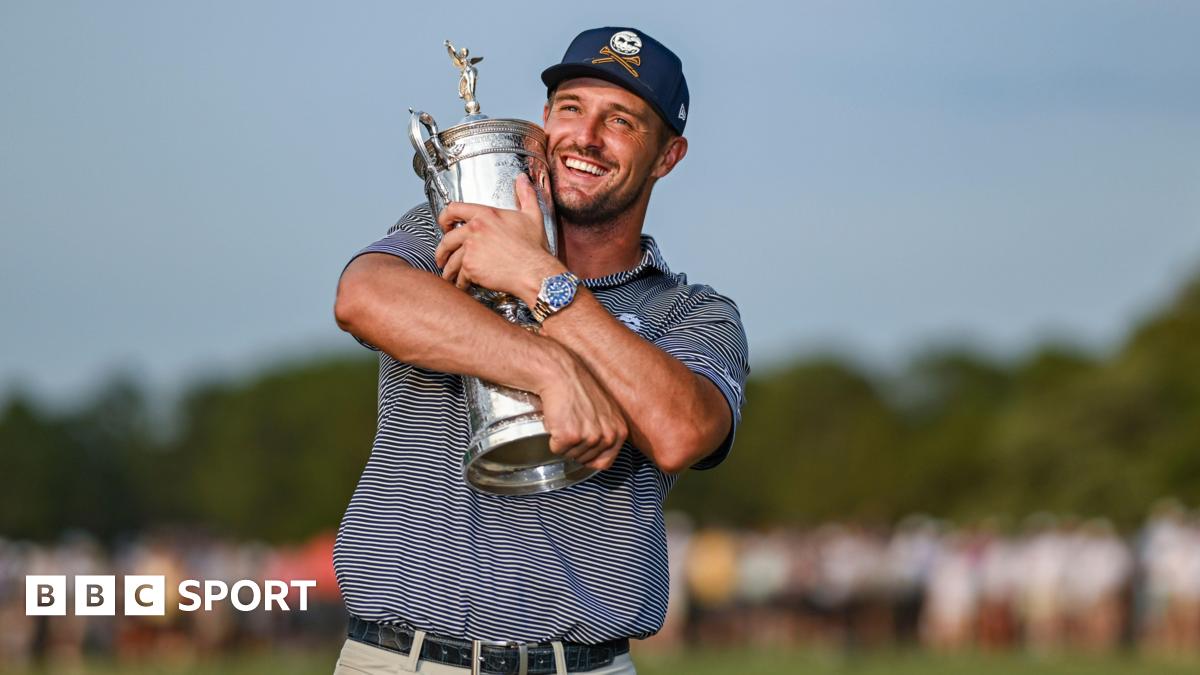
(595, 212)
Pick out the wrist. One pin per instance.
(552, 363)
(533, 280)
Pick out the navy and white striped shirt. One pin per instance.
(587, 563)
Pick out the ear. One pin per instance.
(672, 154)
(545, 113)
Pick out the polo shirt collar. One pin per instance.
(652, 262)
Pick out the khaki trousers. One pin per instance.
(362, 659)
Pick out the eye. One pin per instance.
(569, 108)
(622, 121)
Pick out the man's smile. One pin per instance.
(581, 167)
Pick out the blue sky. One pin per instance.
(182, 183)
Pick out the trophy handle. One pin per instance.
(417, 120)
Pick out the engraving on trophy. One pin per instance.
(512, 164)
(466, 82)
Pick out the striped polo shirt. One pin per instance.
(586, 563)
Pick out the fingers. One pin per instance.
(597, 450)
(592, 454)
(584, 423)
(560, 444)
(588, 445)
(609, 441)
(449, 244)
(452, 270)
(460, 212)
(445, 222)
(569, 444)
(605, 460)
(577, 451)
(527, 201)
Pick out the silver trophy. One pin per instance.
(477, 161)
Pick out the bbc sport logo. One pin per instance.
(145, 595)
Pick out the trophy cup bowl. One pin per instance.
(477, 161)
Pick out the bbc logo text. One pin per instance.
(146, 594)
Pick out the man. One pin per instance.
(640, 376)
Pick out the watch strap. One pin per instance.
(541, 309)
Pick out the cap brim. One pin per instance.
(555, 74)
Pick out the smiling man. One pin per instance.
(640, 375)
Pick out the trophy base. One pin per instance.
(514, 458)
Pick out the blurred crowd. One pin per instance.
(1050, 584)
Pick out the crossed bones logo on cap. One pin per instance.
(628, 44)
(627, 61)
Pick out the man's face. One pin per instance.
(604, 143)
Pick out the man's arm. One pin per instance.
(418, 318)
(675, 416)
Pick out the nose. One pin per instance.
(588, 133)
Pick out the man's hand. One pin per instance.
(499, 249)
(584, 422)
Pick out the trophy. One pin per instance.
(477, 161)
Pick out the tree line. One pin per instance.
(957, 434)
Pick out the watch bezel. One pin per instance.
(557, 292)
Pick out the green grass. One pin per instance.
(884, 662)
(772, 661)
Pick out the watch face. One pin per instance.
(559, 292)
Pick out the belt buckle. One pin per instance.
(477, 654)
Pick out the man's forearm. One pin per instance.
(675, 416)
(418, 318)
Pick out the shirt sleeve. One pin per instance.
(709, 339)
(414, 239)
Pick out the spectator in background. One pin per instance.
(1045, 565)
(909, 559)
(952, 595)
(999, 578)
(17, 631)
(711, 584)
(1096, 586)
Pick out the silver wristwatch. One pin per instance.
(556, 293)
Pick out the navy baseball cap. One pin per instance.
(629, 58)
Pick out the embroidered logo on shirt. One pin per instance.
(631, 321)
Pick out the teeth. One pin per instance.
(584, 166)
